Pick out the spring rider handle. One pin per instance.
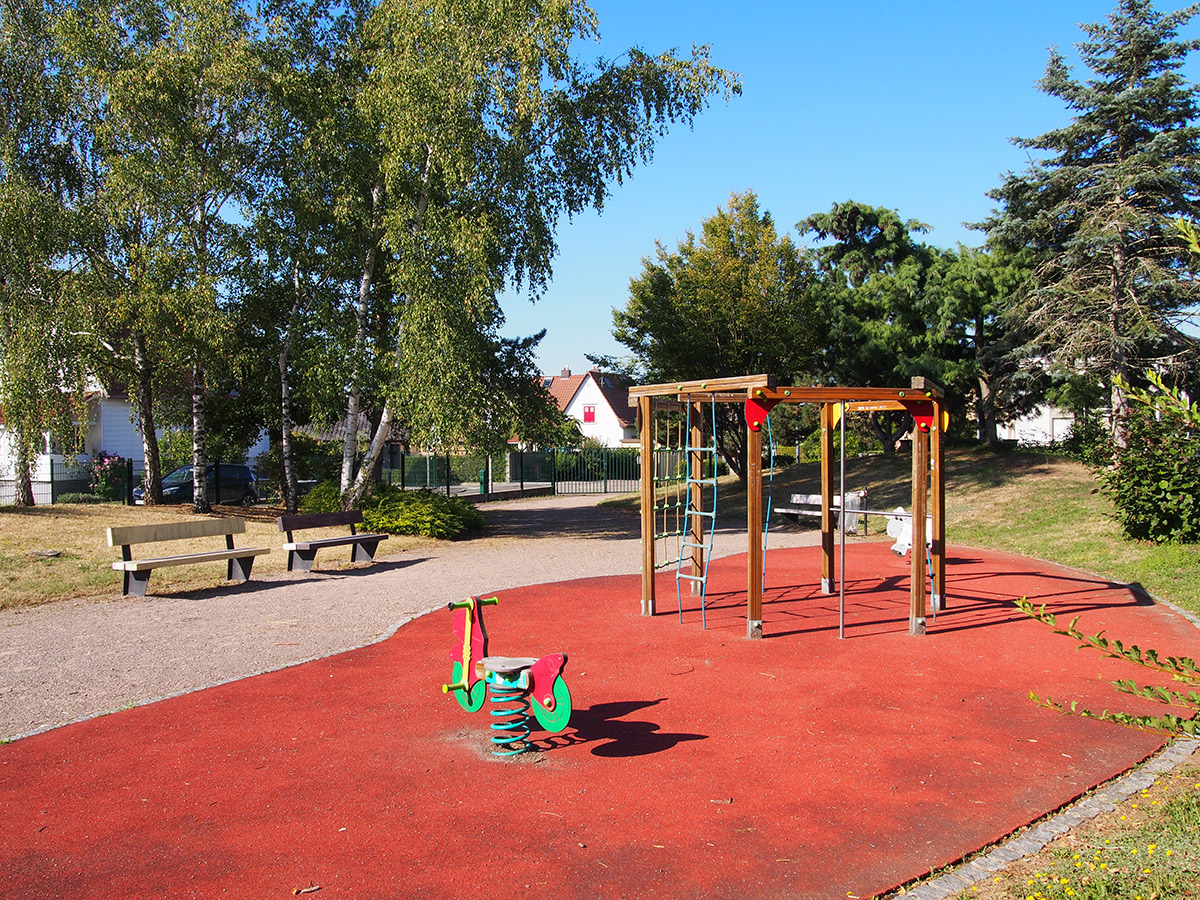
(469, 649)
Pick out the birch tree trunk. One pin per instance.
(200, 502)
(290, 490)
(144, 396)
(352, 498)
(354, 400)
(24, 480)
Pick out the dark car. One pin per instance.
(237, 485)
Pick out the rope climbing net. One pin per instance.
(670, 482)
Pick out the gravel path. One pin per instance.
(61, 662)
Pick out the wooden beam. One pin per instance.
(841, 394)
(828, 579)
(754, 530)
(938, 506)
(695, 462)
(742, 383)
(646, 434)
(920, 487)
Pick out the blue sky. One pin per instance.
(909, 106)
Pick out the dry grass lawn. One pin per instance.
(82, 565)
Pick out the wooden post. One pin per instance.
(754, 529)
(695, 462)
(920, 483)
(646, 434)
(938, 508)
(828, 581)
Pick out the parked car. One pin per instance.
(237, 485)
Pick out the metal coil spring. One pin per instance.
(511, 722)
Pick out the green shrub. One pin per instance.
(1155, 480)
(1089, 441)
(80, 498)
(325, 497)
(857, 444)
(106, 476)
(394, 511)
(421, 513)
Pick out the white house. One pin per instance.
(1044, 425)
(110, 428)
(599, 403)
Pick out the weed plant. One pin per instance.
(1146, 849)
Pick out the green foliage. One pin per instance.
(106, 476)
(1154, 481)
(72, 497)
(1089, 440)
(1098, 206)
(1178, 668)
(872, 304)
(325, 497)
(858, 442)
(313, 460)
(391, 510)
(1150, 853)
(735, 301)
(423, 513)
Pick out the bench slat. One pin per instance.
(342, 541)
(143, 565)
(319, 520)
(175, 531)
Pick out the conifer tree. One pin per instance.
(1111, 289)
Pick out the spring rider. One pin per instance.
(513, 683)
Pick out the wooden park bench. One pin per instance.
(810, 505)
(302, 553)
(136, 572)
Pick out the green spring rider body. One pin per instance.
(515, 685)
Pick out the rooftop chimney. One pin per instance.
(566, 372)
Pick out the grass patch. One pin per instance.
(1032, 504)
(83, 566)
(1146, 849)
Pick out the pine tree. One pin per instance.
(1111, 290)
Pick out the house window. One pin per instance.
(589, 414)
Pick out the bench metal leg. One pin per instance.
(301, 560)
(134, 583)
(364, 552)
(242, 566)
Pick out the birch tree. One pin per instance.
(174, 99)
(491, 130)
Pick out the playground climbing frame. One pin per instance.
(759, 394)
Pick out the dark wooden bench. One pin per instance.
(302, 553)
(136, 572)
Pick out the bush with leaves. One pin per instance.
(1089, 441)
(389, 509)
(106, 476)
(1154, 481)
(1178, 668)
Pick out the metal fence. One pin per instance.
(59, 481)
(561, 470)
(590, 470)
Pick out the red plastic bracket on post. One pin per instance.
(922, 413)
(757, 411)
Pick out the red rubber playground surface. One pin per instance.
(697, 764)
